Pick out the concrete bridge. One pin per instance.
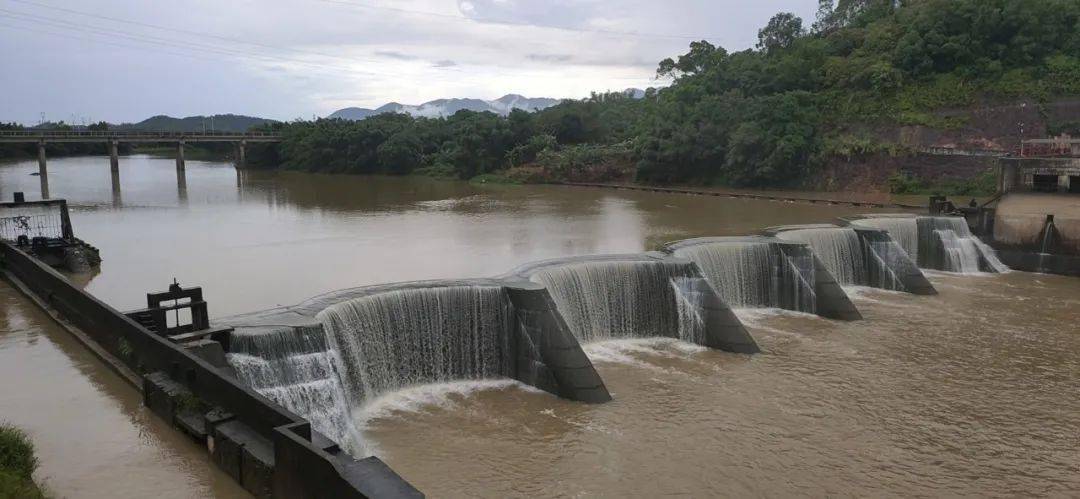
(114, 137)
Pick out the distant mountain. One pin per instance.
(446, 107)
(218, 122)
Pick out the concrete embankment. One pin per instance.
(1038, 232)
(854, 199)
(270, 451)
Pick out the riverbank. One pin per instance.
(92, 436)
(17, 464)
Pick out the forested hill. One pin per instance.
(219, 122)
(768, 116)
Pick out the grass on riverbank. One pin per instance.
(985, 184)
(17, 464)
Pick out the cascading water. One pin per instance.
(401, 338)
(755, 274)
(946, 243)
(603, 300)
(884, 257)
(292, 366)
(374, 344)
(904, 230)
(838, 248)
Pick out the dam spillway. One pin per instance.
(326, 358)
(937, 242)
(639, 296)
(859, 256)
(761, 272)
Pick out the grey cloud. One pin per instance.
(395, 55)
(549, 57)
(288, 59)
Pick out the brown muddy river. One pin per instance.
(968, 393)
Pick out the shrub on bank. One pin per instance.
(17, 464)
(984, 184)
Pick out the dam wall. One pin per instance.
(859, 256)
(327, 357)
(935, 242)
(645, 295)
(764, 272)
(269, 450)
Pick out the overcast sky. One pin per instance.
(125, 60)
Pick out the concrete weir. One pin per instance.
(639, 295)
(328, 356)
(859, 256)
(934, 242)
(767, 272)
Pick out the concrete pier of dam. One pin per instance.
(859, 256)
(827, 298)
(599, 294)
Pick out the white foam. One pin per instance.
(629, 351)
(753, 315)
(423, 397)
(865, 293)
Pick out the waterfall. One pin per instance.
(603, 300)
(292, 366)
(885, 256)
(373, 344)
(946, 243)
(838, 248)
(391, 340)
(961, 254)
(904, 230)
(755, 274)
(796, 284)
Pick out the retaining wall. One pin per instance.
(302, 466)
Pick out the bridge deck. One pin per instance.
(29, 136)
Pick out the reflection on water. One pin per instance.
(972, 392)
(90, 431)
(257, 239)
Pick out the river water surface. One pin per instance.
(972, 392)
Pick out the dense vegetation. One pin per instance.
(770, 116)
(760, 117)
(56, 148)
(17, 464)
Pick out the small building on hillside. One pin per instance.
(1044, 165)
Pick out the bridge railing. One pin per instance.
(107, 134)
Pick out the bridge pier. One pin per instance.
(43, 170)
(241, 153)
(179, 157)
(117, 196)
(114, 158)
(181, 186)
